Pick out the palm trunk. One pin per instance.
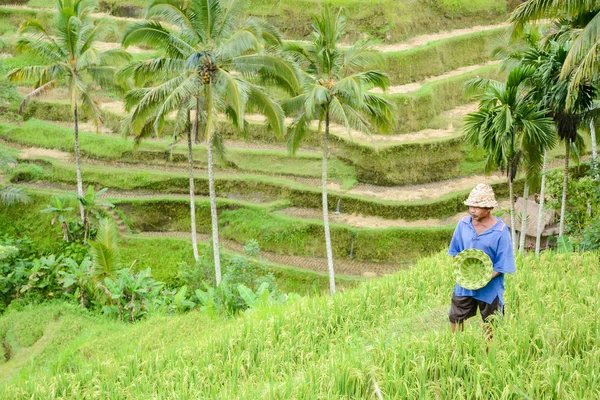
(524, 220)
(197, 122)
(512, 212)
(211, 186)
(192, 201)
(538, 236)
(594, 149)
(326, 208)
(563, 206)
(78, 165)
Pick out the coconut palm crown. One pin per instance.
(69, 58)
(335, 84)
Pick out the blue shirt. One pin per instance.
(496, 243)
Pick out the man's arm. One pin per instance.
(495, 274)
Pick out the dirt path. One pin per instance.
(421, 191)
(422, 40)
(413, 87)
(34, 152)
(317, 264)
(362, 221)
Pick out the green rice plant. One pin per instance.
(390, 331)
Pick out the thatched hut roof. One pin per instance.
(549, 222)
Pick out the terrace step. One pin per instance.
(415, 86)
(317, 264)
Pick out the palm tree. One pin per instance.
(10, 194)
(334, 88)
(511, 127)
(577, 19)
(59, 209)
(571, 110)
(69, 59)
(213, 60)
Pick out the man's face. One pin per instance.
(479, 213)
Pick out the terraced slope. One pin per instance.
(393, 196)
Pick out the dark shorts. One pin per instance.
(464, 307)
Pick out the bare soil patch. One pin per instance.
(35, 152)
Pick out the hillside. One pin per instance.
(391, 332)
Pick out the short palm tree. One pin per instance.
(335, 86)
(69, 59)
(10, 194)
(212, 62)
(511, 127)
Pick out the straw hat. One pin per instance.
(482, 196)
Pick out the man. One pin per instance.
(481, 230)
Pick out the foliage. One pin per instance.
(582, 206)
(79, 277)
(24, 275)
(130, 295)
(238, 271)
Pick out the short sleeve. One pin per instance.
(455, 243)
(505, 259)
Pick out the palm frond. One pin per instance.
(48, 51)
(379, 111)
(270, 108)
(207, 15)
(154, 34)
(103, 250)
(10, 195)
(294, 105)
(240, 43)
(360, 56)
(297, 131)
(37, 92)
(267, 64)
(171, 12)
(235, 93)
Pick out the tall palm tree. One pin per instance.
(69, 59)
(510, 127)
(335, 86)
(570, 109)
(212, 62)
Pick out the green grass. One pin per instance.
(163, 255)
(391, 330)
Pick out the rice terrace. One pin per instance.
(310, 199)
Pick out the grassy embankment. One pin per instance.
(380, 20)
(392, 331)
